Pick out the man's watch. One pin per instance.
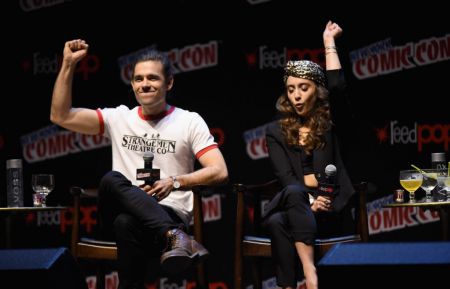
(176, 183)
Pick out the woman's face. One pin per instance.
(301, 94)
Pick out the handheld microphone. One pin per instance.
(148, 160)
(146, 174)
(330, 174)
(148, 165)
(329, 187)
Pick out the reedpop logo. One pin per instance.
(267, 58)
(422, 134)
(41, 64)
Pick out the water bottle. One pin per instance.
(14, 183)
(438, 161)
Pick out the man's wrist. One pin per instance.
(175, 183)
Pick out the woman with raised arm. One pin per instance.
(301, 145)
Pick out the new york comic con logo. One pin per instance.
(153, 144)
(422, 134)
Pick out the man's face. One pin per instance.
(149, 84)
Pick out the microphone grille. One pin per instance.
(330, 170)
(148, 156)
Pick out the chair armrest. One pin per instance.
(98, 242)
(256, 239)
(81, 192)
(341, 239)
(267, 189)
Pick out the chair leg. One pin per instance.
(202, 279)
(256, 274)
(100, 282)
(238, 271)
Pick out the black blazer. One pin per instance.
(287, 163)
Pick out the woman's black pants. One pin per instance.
(291, 221)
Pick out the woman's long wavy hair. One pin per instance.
(318, 119)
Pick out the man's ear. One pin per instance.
(170, 83)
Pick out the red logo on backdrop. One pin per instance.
(382, 58)
(41, 64)
(422, 134)
(382, 134)
(219, 135)
(112, 282)
(63, 218)
(51, 142)
(267, 58)
(212, 208)
(255, 140)
(392, 219)
(251, 59)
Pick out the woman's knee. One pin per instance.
(296, 193)
(275, 223)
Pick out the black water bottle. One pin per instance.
(14, 183)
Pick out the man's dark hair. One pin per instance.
(155, 55)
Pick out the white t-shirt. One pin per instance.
(175, 138)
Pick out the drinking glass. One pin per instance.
(43, 184)
(411, 180)
(444, 184)
(429, 182)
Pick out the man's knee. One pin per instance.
(111, 177)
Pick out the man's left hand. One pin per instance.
(160, 189)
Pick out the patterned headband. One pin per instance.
(305, 69)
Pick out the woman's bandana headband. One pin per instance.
(305, 69)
